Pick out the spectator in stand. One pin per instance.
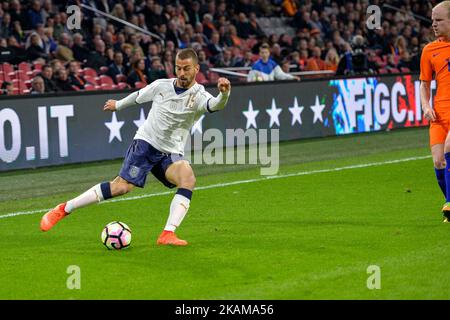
(289, 7)
(277, 56)
(6, 52)
(63, 51)
(226, 61)
(35, 48)
(214, 48)
(62, 81)
(18, 33)
(232, 37)
(34, 14)
(265, 69)
(331, 60)
(245, 61)
(286, 66)
(243, 27)
(75, 79)
(315, 63)
(37, 85)
(117, 67)
(97, 58)
(208, 26)
(18, 15)
(55, 64)
(138, 73)
(194, 14)
(294, 59)
(157, 71)
(80, 52)
(255, 28)
(47, 76)
(203, 63)
(168, 64)
(7, 88)
(6, 26)
(19, 53)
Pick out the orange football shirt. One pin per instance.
(435, 60)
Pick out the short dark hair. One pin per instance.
(187, 53)
(264, 46)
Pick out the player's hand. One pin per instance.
(429, 114)
(297, 78)
(110, 105)
(223, 84)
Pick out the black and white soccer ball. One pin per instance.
(116, 235)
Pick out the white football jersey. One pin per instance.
(172, 115)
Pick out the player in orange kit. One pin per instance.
(435, 61)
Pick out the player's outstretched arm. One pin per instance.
(219, 102)
(116, 105)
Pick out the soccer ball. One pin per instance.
(116, 235)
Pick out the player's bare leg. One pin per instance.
(97, 193)
(180, 174)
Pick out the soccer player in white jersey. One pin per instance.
(158, 145)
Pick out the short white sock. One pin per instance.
(93, 195)
(178, 209)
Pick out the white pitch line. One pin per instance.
(226, 184)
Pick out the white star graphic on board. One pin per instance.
(250, 114)
(317, 108)
(198, 125)
(114, 128)
(141, 120)
(296, 112)
(274, 113)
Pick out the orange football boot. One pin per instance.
(53, 216)
(170, 238)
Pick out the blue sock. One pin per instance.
(440, 175)
(447, 176)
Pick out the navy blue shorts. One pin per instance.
(141, 158)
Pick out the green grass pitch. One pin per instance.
(311, 234)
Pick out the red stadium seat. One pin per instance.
(89, 87)
(7, 68)
(104, 79)
(394, 70)
(75, 88)
(201, 78)
(139, 84)
(22, 86)
(37, 66)
(121, 78)
(24, 66)
(89, 72)
(122, 85)
(35, 72)
(22, 75)
(106, 86)
(103, 70)
(213, 77)
(92, 80)
(405, 69)
(383, 71)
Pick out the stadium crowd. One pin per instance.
(40, 51)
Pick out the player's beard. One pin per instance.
(185, 82)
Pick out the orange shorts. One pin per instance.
(439, 130)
